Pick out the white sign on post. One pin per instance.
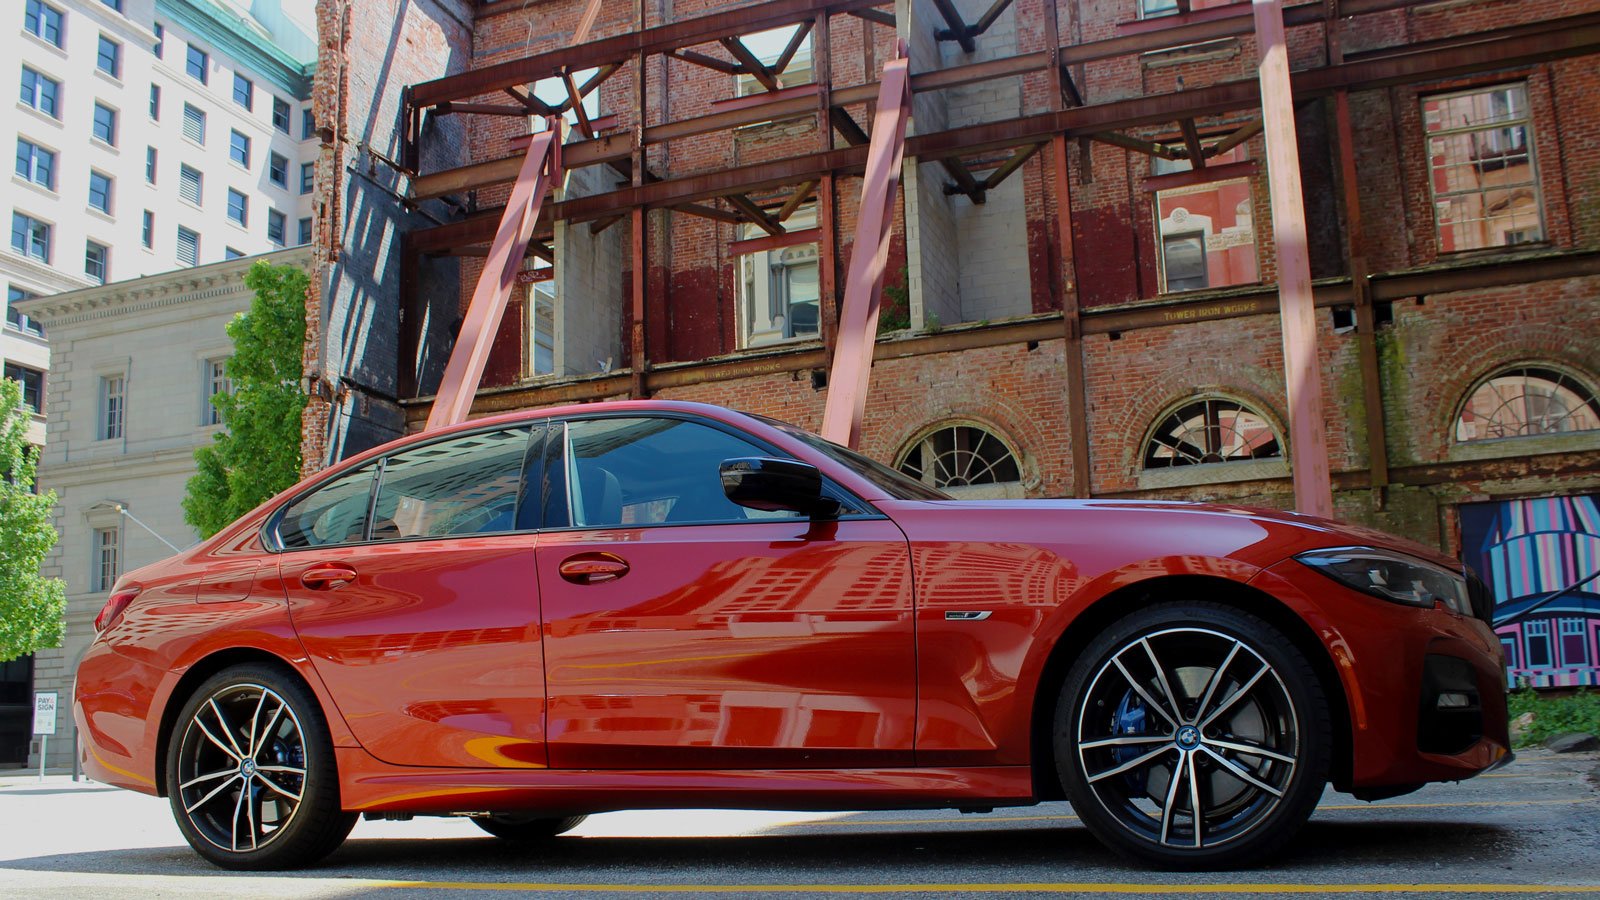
(44, 712)
(44, 723)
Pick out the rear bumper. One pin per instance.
(1395, 663)
(112, 699)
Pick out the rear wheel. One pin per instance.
(526, 826)
(251, 774)
(1192, 735)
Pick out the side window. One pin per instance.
(468, 485)
(644, 471)
(334, 514)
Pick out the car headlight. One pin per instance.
(1392, 576)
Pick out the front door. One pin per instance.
(684, 631)
(411, 587)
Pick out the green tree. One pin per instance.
(31, 607)
(257, 454)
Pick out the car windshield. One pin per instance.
(896, 484)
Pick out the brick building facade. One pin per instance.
(1471, 227)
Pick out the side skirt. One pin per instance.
(368, 785)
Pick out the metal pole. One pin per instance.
(44, 751)
(1308, 454)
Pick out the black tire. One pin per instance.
(251, 773)
(526, 826)
(1134, 767)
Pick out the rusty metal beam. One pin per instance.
(757, 70)
(755, 213)
(994, 178)
(1070, 95)
(710, 212)
(533, 104)
(482, 321)
(863, 286)
(874, 15)
(576, 102)
(958, 30)
(590, 83)
(1191, 143)
(774, 242)
(482, 109)
(705, 61)
(847, 127)
(1308, 448)
(1573, 36)
(795, 40)
(965, 183)
(623, 47)
(1235, 138)
(775, 13)
(1138, 145)
(800, 195)
(976, 28)
(586, 22)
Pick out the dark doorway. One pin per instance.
(16, 711)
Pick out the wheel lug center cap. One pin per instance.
(1188, 737)
(247, 768)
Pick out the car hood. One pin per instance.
(1290, 532)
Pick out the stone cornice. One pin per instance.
(41, 273)
(153, 291)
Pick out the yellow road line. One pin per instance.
(988, 888)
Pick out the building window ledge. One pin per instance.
(58, 51)
(1213, 473)
(39, 114)
(1523, 446)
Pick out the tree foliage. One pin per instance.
(31, 607)
(257, 454)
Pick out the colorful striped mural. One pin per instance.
(1527, 550)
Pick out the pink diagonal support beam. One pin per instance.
(539, 170)
(863, 287)
(1308, 451)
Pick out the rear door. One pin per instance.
(411, 586)
(684, 631)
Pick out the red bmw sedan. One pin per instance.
(533, 617)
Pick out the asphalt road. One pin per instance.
(1532, 829)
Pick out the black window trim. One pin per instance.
(733, 430)
(273, 541)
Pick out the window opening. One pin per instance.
(1527, 400)
(1210, 430)
(1481, 169)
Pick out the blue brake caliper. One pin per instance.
(1130, 720)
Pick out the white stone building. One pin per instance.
(150, 135)
(133, 366)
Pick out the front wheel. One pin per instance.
(526, 826)
(251, 775)
(1193, 736)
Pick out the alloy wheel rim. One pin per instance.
(1184, 720)
(241, 767)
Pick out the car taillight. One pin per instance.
(119, 601)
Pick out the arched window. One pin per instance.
(1210, 430)
(1527, 400)
(964, 461)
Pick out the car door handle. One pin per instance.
(326, 577)
(593, 568)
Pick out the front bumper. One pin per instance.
(1395, 663)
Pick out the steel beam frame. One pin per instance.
(869, 255)
(462, 373)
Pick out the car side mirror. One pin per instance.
(764, 483)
